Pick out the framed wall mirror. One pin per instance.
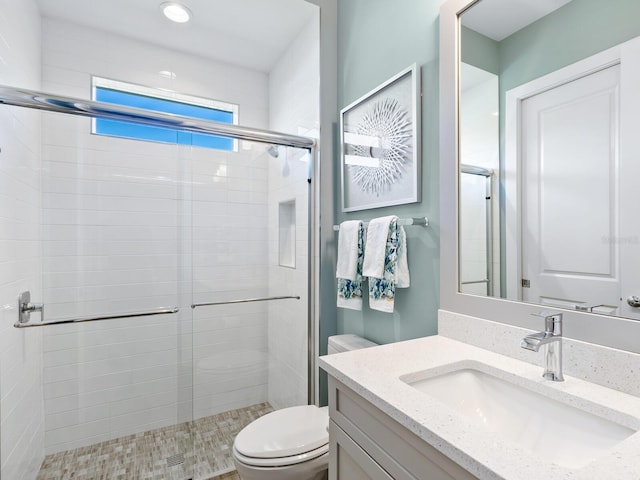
(540, 104)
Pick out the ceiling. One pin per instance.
(497, 19)
(249, 33)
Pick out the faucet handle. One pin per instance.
(552, 321)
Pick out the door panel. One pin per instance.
(570, 205)
(629, 240)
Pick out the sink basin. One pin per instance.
(553, 431)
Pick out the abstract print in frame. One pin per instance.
(380, 145)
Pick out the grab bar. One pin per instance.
(246, 300)
(161, 311)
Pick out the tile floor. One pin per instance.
(198, 450)
(228, 476)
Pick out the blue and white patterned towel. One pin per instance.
(395, 273)
(350, 282)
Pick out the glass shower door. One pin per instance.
(250, 289)
(189, 270)
(117, 392)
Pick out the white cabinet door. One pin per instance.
(350, 462)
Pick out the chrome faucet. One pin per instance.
(552, 338)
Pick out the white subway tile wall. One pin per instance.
(130, 226)
(116, 225)
(294, 108)
(21, 407)
(229, 263)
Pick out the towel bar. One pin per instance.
(420, 221)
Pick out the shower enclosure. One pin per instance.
(174, 303)
(476, 230)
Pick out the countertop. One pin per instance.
(374, 373)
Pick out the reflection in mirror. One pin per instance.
(478, 195)
(549, 104)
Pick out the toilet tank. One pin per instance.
(347, 342)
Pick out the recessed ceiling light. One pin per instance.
(176, 12)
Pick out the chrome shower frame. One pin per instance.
(92, 109)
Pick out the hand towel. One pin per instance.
(349, 267)
(403, 279)
(376, 245)
(395, 272)
(348, 249)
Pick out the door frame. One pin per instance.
(512, 173)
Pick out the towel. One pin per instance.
(385, 262)
(376, 246)
(403, 279)
(348, 249)
(349, 267)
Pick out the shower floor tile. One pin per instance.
(200, 450)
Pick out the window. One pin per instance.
(128, 95)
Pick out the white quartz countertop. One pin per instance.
(374, 373)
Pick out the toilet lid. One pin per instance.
(283, 433)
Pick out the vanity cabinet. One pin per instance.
(366, 443)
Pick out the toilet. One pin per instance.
(292, 443)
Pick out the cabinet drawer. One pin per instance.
(348, 461)
(397, 450)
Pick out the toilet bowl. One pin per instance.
(292, 443)
(288, 444)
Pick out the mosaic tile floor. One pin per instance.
(198, 450)
(228, 476)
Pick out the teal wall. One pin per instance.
(376, 40)
(480, 51)
(576, 31)
(379, 38)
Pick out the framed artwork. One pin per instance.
(380, 145)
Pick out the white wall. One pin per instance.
(229, 263)
(21, 408)
(71, 54)
(294, 108)
(124, 222)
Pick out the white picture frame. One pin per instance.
(380, 145)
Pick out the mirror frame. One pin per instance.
(615, 332)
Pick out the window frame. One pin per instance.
(166, 95)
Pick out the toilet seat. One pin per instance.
(284, 437)
(281, 461)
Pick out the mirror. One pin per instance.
(549, 105)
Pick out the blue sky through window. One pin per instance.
(124, 129)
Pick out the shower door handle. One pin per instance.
(245, 300)
(25, 307)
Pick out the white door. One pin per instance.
(569, 208)
(580, 167)
(629, 240)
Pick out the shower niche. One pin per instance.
(287, 234)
